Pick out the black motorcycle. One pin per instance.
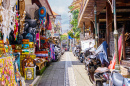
(91, 65)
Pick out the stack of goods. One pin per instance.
(25, 46)
(28, 69)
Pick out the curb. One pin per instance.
(34, 82)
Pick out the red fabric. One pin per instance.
(49, 27)
(113, 62)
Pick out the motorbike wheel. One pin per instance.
(99, 84)
(81, 61)
(86, 68)
(91, 78)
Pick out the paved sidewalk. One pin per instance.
(81, 76)
(66, 72)
(54, 74)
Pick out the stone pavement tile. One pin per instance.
(48, 84)
(48, 81)
(60, 85)
(54, 82)
(41, 84)
(60, 82)
(54, 85)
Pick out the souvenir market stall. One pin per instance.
(42, 45)
(9, 62)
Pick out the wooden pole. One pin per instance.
(108, 24)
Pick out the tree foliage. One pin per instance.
(63, 37)
(75, 32)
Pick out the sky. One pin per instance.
(61, 7)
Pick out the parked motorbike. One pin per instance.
(116, 79)
(81, 58)
(98, 59)
(101, 76)
(91, 65)
(78, 53)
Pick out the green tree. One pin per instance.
(75, 32)
(63, 37)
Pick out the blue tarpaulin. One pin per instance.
(70, 37)
(102, 53)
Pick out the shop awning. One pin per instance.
(86, 13)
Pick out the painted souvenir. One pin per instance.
(32, 51)
(18, 46)
(25, 41)
(16, 51)
(6, 49)
(25, 51)
(31, 44)
(25, 46)
(29, 73)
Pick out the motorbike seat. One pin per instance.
(92, 56)
(101, 70)
(117, 79)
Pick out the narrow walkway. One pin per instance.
(66, 72)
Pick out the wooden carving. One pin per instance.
(22, 14)
(0, 2)
(6, 4)
(21, 7)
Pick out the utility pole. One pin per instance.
(67, 40)
(95, 13)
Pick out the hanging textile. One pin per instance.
(49, 26)
(113, 62)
